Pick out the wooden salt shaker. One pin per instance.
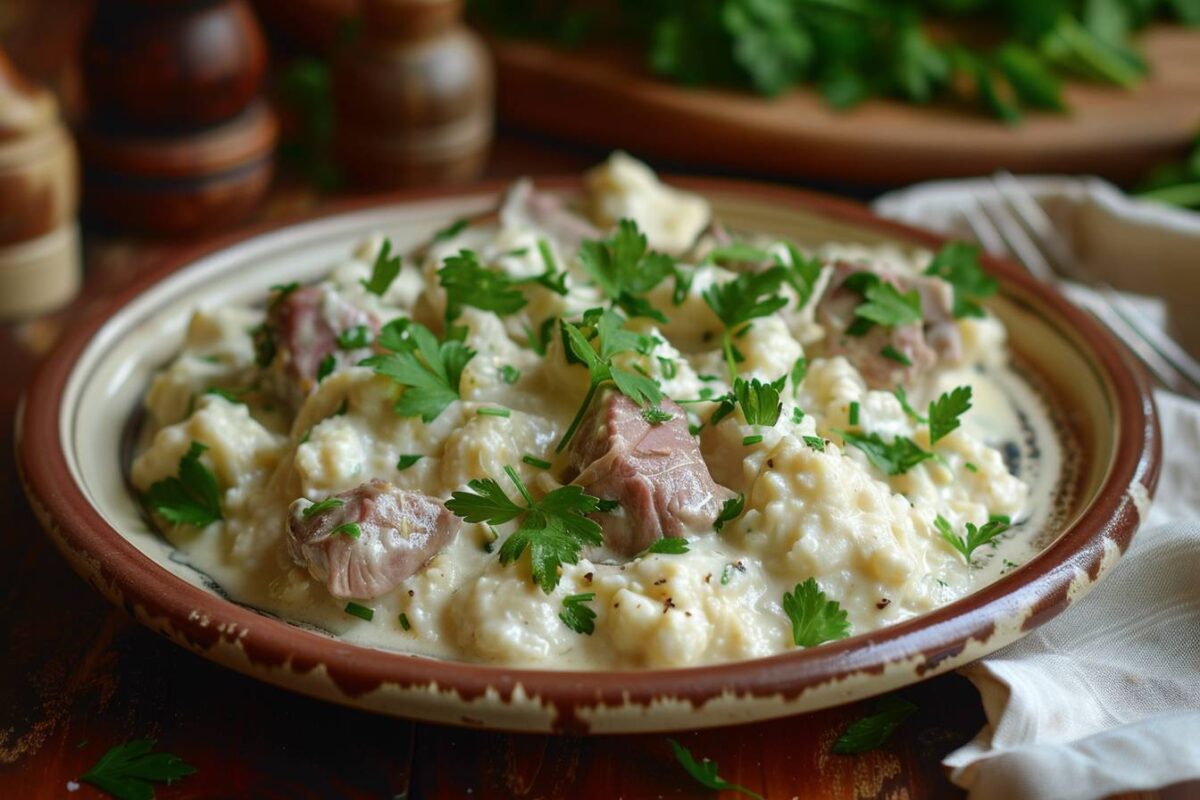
(39, 238)
(413, 96)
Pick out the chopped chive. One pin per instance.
(547, 256)
(749, 440)
(510, 374)
(493, 412)
(407, 460)
(327, 365)
(362, 612)
(350, 529)
(971, 467)
(451, 230)
(816, 443)
(321, 507)
(533, 461)
(516, 252)
(854, 412)
(404, 623)
(895, 355)
(708, 378)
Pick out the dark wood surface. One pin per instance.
(78, 676)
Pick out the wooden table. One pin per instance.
(77, 676)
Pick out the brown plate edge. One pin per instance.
(198, 620)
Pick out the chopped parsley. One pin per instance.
(360, 611)
(428, 370)
(450, 231)
(510, 374)
(534, 461)
(886, 306)
(705, 772)
(814, 617)
(872, 731)
(894, 458)
(328, 504)
(815, 442)
(736, 252)
(737, 302)
(731, 509)
(553, 529)
(192, 497)
(971, 467)
(354, 338)
(612, 339)
(751, 440)
(129, 771)
(892, 354)
(802, 273)
(958, 264)
(383, 271)
(975, 538)
(799, 373)
(493, 412)
(468, 283)
(944, 412)
(576, 615)
(668, 545)
(326, 367)
(407, 460)
(624, 269)
(350, 529)
(655, 415)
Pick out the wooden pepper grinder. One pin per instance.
(178, 138)
(39, 238)
(413, 96)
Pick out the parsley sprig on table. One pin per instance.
(624, 269)
(873, 730)
(958, 264)
(814, 617)
(612, 339)
(192, 497)
(383, 271)
(129, 771)
(975, 538)
(747, 297)
(705, 772)
(429, 371)
(553, 529)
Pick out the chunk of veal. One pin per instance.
(524, 206)
(654, 471)
(379, 536)
(922, 343)
(304, 325)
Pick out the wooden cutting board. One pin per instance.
(606, 97)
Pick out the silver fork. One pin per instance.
(1015, 225)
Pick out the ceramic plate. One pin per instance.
(70, 433)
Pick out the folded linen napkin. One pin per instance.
(1106, 697)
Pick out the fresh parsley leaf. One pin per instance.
(894, 458)
(975, 538)
(429, 372)
(450, 231)
(326, 367)
(748, 296)
(705, 772)
(606, 506)
(510, 374)
(759, 401)
(872, 731)
(944, 412)
(902, 396)
(553, 529)
(383, 271)
(814, 617)
(355, 338)
(815, 442)
(656, 415)
(129, 771)
(612, 339)
(550, 278)
(799, 373)
(576, 615)
(349, 529)
(886, 306)
(668, 545)
(407, 460)
(891, 353)
(731, 509)
(624, 270)
(802, 273)
(958, 264)
(192, 497)
(328, 504)
(468, 283)
(736, 252)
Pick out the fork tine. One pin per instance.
(1058, 254)
(982, 228)
(1017, 241)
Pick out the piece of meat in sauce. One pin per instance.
(923, 343)
(399, 531)
(655, 473)
(524, 206)
(304, 325)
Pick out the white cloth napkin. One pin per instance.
(1104, 698)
